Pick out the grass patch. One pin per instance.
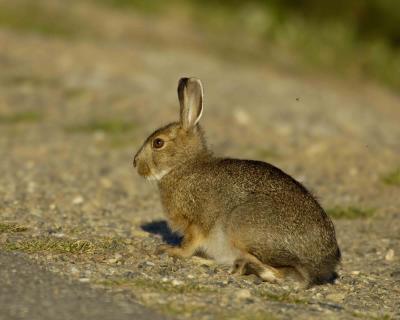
(36, 17)
(11, 228)
(32, 79)
(61, 245)
(247, 315)
(354, 38)
(111, 127)
(286, 297)
(392, 178)
(350, 212)
(145, 5)
(20, 117)
(153, 285)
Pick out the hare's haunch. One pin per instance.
(245, 213)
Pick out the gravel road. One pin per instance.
(29, 292)
(73, 112)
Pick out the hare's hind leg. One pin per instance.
(249, 264)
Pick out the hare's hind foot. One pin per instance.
(190, 243)
(249, 264)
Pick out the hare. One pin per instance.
(244, 213)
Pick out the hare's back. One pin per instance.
(234, 183)
(253, 176)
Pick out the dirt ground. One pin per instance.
(75, 109)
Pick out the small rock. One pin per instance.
(241, 117)
(190, 276)
(58, 235)
(202, 261)
(243, 294)
(165, 279)
(130, 274)
(177, 282)
(52, 206)
(99, 136)
(149, 263)
(139, 233)
(106, 183)
(77, 200)
(355, 273)
(3, 238)
(74, 270)
(31, 186)
(84, 280)
(389, 255)
(336, 297)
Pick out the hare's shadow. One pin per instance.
(161, 228)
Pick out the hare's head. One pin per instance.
(178, 142)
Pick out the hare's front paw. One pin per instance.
(170, 250)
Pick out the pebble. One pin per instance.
(59, 235)
(74, 270)
(139, 233)
(336, 297)
(106, 183)
(112, 260)
(177, 282)
(77, 200)
(117, 257)
(3, 238)
(389, 255)
(202, 261)
(241, 117)
(355, 273)
(31, 186)
(243, 294)
(84, 280)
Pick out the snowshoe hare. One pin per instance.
(248, 214)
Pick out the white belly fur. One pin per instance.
(218, 247)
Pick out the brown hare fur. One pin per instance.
(248, 214)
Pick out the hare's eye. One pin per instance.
(158, 143)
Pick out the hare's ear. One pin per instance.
(190, 94)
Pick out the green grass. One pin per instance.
(352, 38)
(31, 79)
(350, 212)
(63, 245)
(392, 178)
(153, 285)
(247, 315)
(111, 127)
(145, 5)
(20, 117)
(11, 228)
(285, 297)
(36, 17)
(177, 307)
